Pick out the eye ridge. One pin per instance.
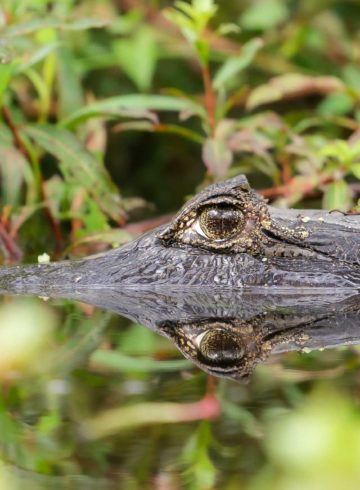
(221, 221)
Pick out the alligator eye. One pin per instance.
(220, 348)
(221, 221)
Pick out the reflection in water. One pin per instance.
(224, 332)
(227, 332)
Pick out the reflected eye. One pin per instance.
(221, 221)
(219, 347)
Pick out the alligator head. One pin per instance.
(225, 236)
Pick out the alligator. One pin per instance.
(235, 253)
(226, 236)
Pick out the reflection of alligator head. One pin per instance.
(227, 332)
(225, 236)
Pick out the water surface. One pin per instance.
(114, 404)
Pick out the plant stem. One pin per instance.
(14, 252)
(210, 98)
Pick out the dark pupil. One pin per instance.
(221, 221)
(220, 348)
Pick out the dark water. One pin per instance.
(112, 404)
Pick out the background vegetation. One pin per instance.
(112, 113)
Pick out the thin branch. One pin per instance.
(210, 98)
(14, 252)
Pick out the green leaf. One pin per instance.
(14, 171)
(234, 65)
(126, 364)
(292, 85)
(192, 19)
(201, 471)
(351, 75)
(337, 104)
(25, 28)
(217, 157)
(122, 103)
(203, 50)
(229, 28)
(205, 6)
(138, 57)
(112, 236)
(78, 166)
(69, 86)
(93, 219)
(186, 8)
(355, 170)
(183, 23)
(36, 57)
(6, 72)
(339, 150)
(264, 14)
(337, 196)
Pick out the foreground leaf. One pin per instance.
(25, 28)
(217, 157)
(234, 65)
(14, 172)
(120, 362)
(123, 103)
(337, 196)
(78, 166)
(137, 57)
(292, 85)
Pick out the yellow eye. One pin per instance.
(220, 348)
(221, 221)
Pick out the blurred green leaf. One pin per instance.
(201, 471)
(337, 196)
(234, 65)
(137, 340)
(15, 171)
(113, 236)
(229, 28)
(26, 334)
(6, 73)
(355, 170)
(138, 57)
(78, 166)
(37, 56)
(336, 104)
(292, 85)
(123, 363)
(217, 157)
(71, 97)
(351, 75)
(35, 25)
(305, 445)
(192, 20)
(338, 149)
(264, 14)
(116, 106)
(94, 220)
